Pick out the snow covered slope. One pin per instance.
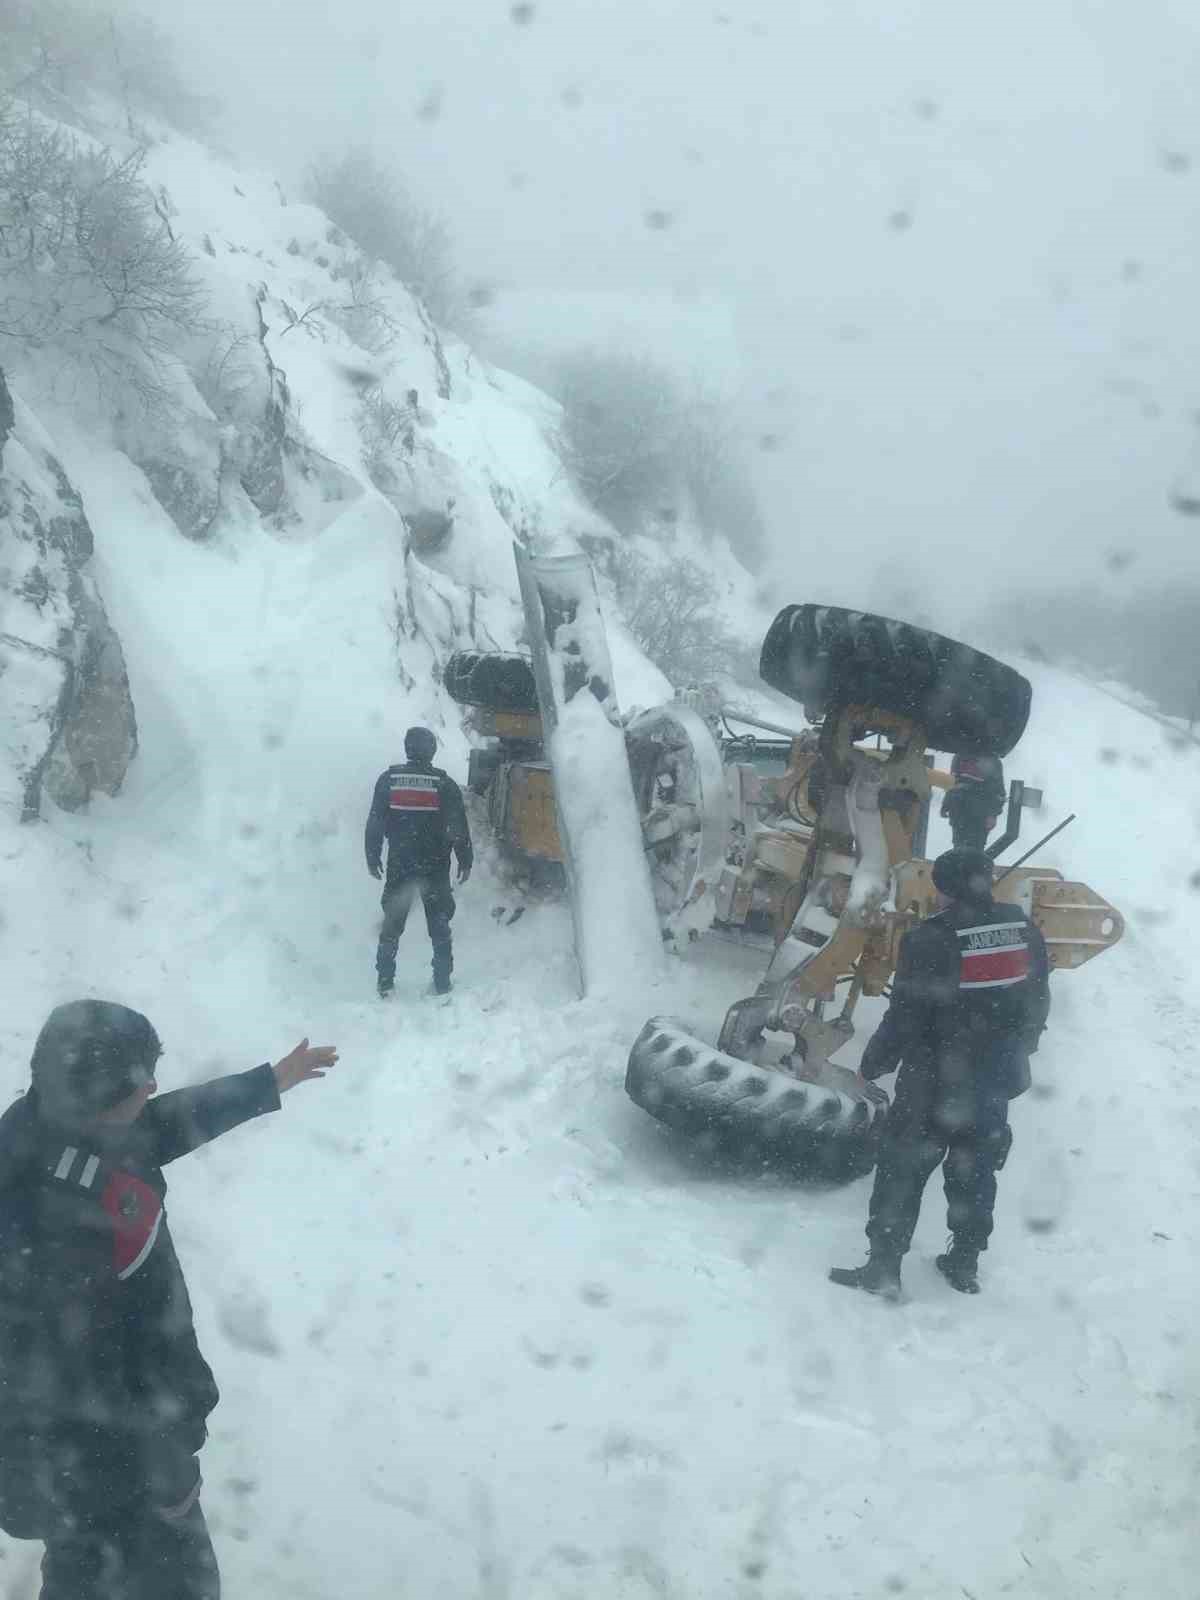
(482, 1328)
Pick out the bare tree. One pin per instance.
(87, 261)
(231, 378)
(364, 315)
(369, 204)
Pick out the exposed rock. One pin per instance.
(277, 468)
(262, 472)
(262, 475)
(6, 413)
(429, 530)
(193, 503)
(434, 341)
(68, 726)
(177, 442)
(98, 737)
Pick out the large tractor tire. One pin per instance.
(491, 680)
(827, 658)
(751, 1112)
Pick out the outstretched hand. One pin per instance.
(376, 871)
(464, 871)
(304, 1062)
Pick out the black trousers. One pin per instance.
(970, 1157)
(134, 1554)
(438, 900)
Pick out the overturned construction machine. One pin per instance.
(770, 1085)
(808, 842)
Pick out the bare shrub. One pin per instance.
(364, 315)
(311, 319)
(672, 611)
(87, 262)
(231, 378)
(385, 428)
(370, 205)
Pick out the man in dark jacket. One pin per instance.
(969, 1001)
(103, 1390)
(419, 810)
(974, 803)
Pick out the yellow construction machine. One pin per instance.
(839, 845)
(809, 841)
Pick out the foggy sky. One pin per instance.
(957, 242)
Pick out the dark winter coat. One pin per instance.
(970, 998)
(419, 810)
(101, 1376)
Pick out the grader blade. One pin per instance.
(618, 945)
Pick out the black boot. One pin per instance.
(879, 1275)
(385, 987)
(960, 1268)
(443, 966)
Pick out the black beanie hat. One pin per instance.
(89, 1056)
(964, 875)
(420, 744)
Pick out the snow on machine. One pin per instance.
(555, 712)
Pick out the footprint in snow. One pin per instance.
(244, 1319)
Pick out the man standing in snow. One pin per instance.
(969, 1001)
(105, 1392)
(419, 810)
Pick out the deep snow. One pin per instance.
(484, 1329)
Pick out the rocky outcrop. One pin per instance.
(264, 454)
(97, 737)
(189, 496)
(262, 470)
(67, 727)
(429, 530)
(6, 414)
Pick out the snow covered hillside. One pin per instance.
(482, 1328)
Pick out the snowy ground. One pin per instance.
(482, 1328)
